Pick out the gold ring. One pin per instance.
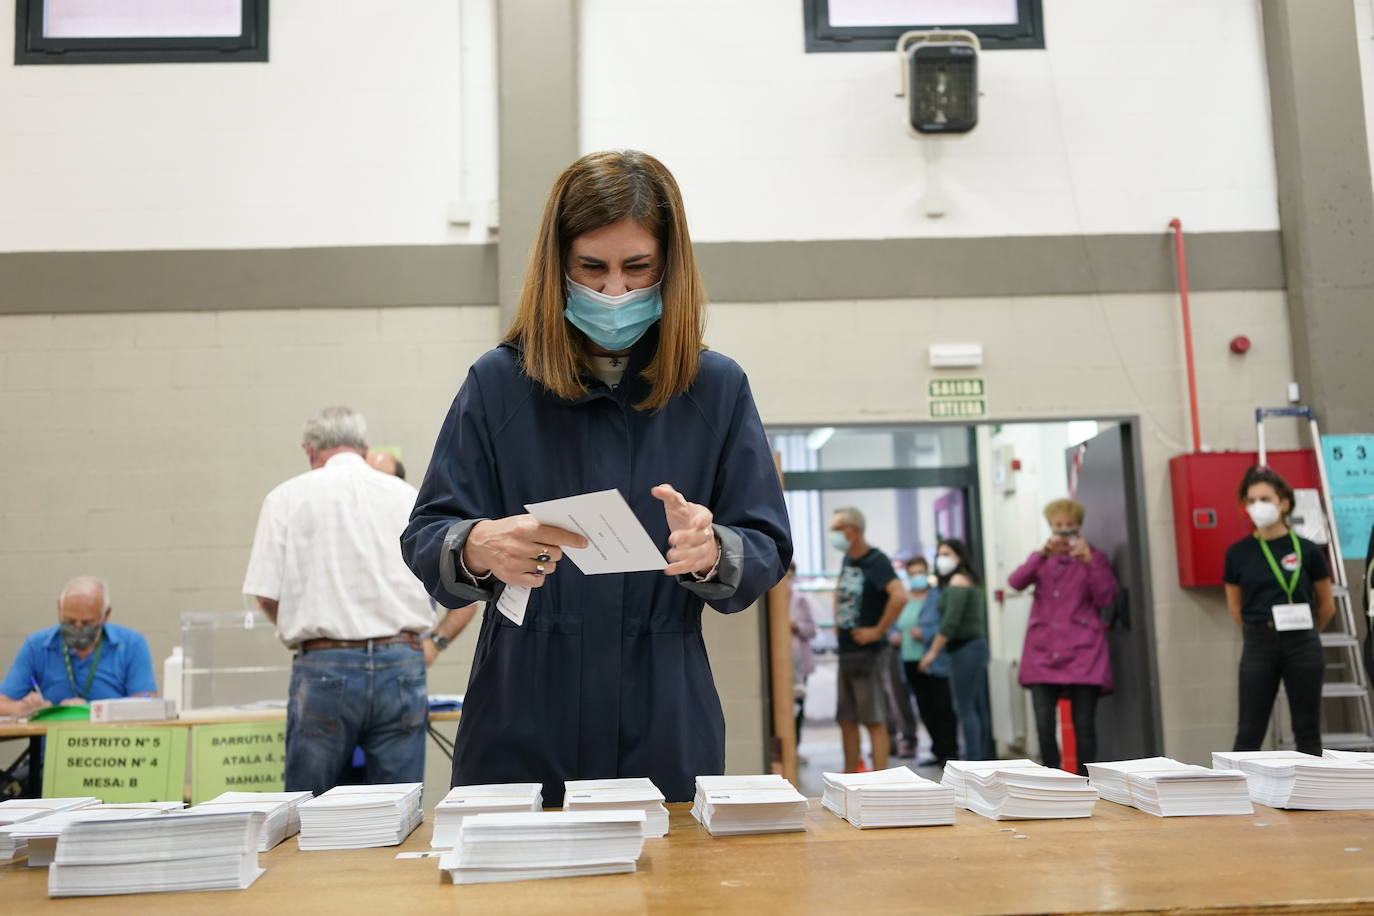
(539, 569)
(543, 558)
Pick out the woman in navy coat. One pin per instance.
(601, 382)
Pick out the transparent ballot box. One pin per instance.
(232, 658)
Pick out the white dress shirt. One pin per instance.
(328, 550)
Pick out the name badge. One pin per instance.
(514, 598)
(1292, 617)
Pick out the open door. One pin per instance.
(1106, 469)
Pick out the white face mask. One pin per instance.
(1263, 514)
(944, 565)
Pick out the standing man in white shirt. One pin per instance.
(326, 567)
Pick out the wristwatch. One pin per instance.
(440, 642)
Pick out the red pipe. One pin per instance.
(1177, 226)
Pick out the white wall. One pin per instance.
(349, 136)
(1136, 113)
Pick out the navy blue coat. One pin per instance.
(608, 675)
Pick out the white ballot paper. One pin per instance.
(619, 543)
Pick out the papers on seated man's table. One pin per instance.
(1020, 792)
(1288, 779)
(462, 801)
(895, 797)
(20, 810)
(1167, 788)
(527, 845)
(41, 835)
(617, 540)
(135, 855)
(733, 805)
(133, 709)
(636, 793)
(359, 817)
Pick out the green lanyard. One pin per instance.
(1291, 586)
(85, 692)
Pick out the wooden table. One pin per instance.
(1118, 861)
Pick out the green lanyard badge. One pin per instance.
(1292, 585)
(85, 692)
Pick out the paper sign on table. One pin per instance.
(619, 543)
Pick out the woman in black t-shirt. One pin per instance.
(1278, 588)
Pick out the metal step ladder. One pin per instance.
(1345, 674)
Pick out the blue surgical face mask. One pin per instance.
(839, 541)
(613, 322)
(919, 582)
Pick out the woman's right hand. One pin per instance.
(514, 549)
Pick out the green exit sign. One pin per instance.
(956, 388)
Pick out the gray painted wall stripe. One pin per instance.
(125, 281)
(101, 281)
(1010, 266)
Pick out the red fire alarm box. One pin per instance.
(1207, 513)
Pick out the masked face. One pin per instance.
(839, 541)
(945, 564)
(80, 637)
(919, 581)
(1263, 514)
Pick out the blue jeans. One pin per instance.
(342, 698)
(968, 678)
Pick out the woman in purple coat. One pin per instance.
(1066, 641)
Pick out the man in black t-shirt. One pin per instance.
(868, 598)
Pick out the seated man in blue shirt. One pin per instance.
(83, 658)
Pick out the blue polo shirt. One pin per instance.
(125, 669)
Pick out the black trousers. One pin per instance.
(935, 704)
(1083, 700)
(1296, 658)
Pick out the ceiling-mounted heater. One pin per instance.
(940, 84)
(940, 80)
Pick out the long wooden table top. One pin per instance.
(27, 729)
(1118, 861)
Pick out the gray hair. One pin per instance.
(335, 427)
(86, 585)
(850, 516)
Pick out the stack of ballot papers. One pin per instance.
(293, 801)
(888, 798)
(732, 805)
(20, 810)
(1350, 756)
(1167, 788)
(490, 799)
(41, 835)
(1026, 793)
(1287, 779)
(276, 813)
(136, 855)
(528, 845)
(956, 773)
(359, 817)
(133, 709)
(628, 794)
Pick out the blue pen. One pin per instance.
(33, 682)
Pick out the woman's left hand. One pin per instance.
(691, 539)
(1082, 552)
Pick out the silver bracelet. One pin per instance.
(714, 568)
(464, 567)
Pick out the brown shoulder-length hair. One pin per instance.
(598, 190)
